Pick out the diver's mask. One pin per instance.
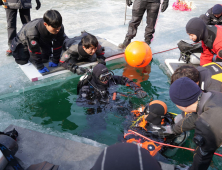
(105, 77)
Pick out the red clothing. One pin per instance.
(208, 54)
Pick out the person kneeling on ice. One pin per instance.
(97, 86)
(209, 35)
(188, 97)
(148, 121)
(39, 40)
(84, 48)
(213, 16)
(208, 79)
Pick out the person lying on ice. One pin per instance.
(97, 86)
(213, 15)
(210, 37)
(39, 40)
(84, 48)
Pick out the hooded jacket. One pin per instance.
(209, 35)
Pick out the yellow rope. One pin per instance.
(173, 113)
(134, 122)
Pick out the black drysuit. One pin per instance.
(34, 41)
(209, 79)
(208, 126)
(11, 8)
(139, 8)
(210, 19)
(73, 52)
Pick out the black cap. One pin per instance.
(217, 9)
(184, 92)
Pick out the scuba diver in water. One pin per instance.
(213, 16)
(148, 121)
(84, 48)
(210, 37)
(97, 87)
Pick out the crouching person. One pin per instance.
(40, 39)
(84, 48)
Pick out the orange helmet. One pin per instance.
(138, 54)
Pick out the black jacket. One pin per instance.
(17, 4)
(210, 19)
(35, 37)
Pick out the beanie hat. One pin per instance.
(184, 92)
(156, 111)
(217, 9)
(196, 26)
(124, 156)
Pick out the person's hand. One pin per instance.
(38, 4)
(1, 2)
(43, 70)
(79, 70)
(164, 5)
(101, 61)
(51, 64)
(167, 130)
(140, 93)
(129, 2)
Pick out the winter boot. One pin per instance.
(125, 43)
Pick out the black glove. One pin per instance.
(164, 5)
(78, 70)
(1, 2)
(129, 2)
(140, 93)
(38, 4)
(101, 61)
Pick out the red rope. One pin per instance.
(165, 51)
(164, 144)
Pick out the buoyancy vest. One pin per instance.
(17, 4)
(211, 76)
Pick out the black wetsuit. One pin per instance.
(139, 8)
(73, 52)
(34, 41)
(11, 8)
(210, 19)
(209, 79)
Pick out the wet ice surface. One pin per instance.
(104, 18)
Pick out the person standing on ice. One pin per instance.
(39, 39)
(139, 8)
(11, 9)
(210, 37)
(213, 16)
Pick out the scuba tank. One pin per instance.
(8, 140)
